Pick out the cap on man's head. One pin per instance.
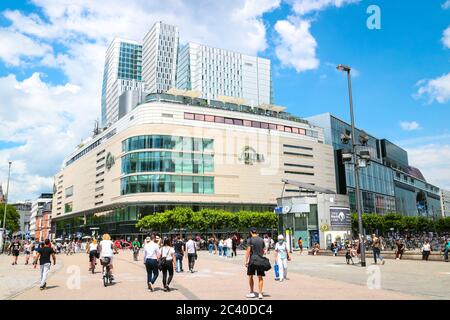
(253, 230)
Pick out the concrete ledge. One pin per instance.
(408, 255)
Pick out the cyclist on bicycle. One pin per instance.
(136, 246)
(106, 250)
(91, 249)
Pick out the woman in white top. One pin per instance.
(168, 260)
(107, 249)
(281, 257)
(426, 249)
(220, 247)
(27, 251)
(151, 257)
(92, 251)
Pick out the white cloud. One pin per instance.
(303, 7)
(435, 89)
(432, 159)
(446, 4)
(446, 37)
(296, 47)
(15, 47)
(409, 125)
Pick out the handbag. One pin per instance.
(276, 268)
(258, 261)
(163, 261)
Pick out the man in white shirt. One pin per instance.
(191, 251)
(229, 244)
(151, 256)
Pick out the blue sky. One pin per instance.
(52, 62)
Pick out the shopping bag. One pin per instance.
(277, 271)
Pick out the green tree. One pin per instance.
(443, 224)
(12, 218)
(393, 220)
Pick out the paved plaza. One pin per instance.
(309, 277)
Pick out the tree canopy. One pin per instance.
(207, 220)
(12, 218)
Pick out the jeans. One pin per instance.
(425, 255)
(446, 255)
(376, 253)
(229, 252)
(225, 249)
(282, 267)
(210, 248)
(220, 251)
(191, 259)
(152, 270)
(168, 268)
(179, 261)
(45, 268)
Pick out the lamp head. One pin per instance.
(343, 67)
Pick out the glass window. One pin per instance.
(189, 116)
(247, 123)
(264, 125)
(280, 127)
(209, 118)
(294, 130)
(200, 117)
(219, 119)
(208, 144)
(272, 126)
(208, 185)
(132, 184)
(229, 121)
(142, 184)
(302, 131)
(187, 184)
(238, 122)
(256, 124)
(287, 129)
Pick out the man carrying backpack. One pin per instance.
(256, 263)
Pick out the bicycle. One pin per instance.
(107, 277)
(135, 253)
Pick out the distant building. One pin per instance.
(36, 205)
(218, 72)
(43, 222)
(24, 210)
(2, 196)
(122, 72)
(389, 183)
(159, 57)
(445, 203)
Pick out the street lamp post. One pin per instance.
(356, 166)
(6, 204)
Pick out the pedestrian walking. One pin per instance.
(14, 249)
(27, 251)
(266, 244)
(43, 255)
(167, 263)
(179, 253)
(151, 257)
(400, 249)
(300, 244)
(210, 245)
(426, 249)
(191, 253)
(376, 249)
(229, 244)
(234, 246)
(253, 259)
(334, 248)
(446, 249)
(282, 256)
(221, 245)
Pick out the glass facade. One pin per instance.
(189, 157)
(130, 61)
(167, 183)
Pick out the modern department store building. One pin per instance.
(175, 150)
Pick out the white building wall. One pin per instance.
(159, 57)
(445, 203)
(219, 72)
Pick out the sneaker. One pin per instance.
(150, 288)
(168, 289)
(251, 295)
(41, 287)
(382, 262)
(260, 296)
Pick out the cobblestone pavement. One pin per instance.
(218, 278)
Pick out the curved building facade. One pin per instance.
(178, 151)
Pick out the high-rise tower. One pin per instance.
(123, 72)
(159, 57)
